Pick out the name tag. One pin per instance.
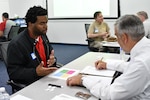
(33, 56)
(96, 30)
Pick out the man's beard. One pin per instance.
(37, 33)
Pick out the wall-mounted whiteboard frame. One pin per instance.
(82, 9)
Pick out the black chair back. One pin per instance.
(13, 32)
(21, 29)
(86, 28)
(3, 50)
(89, 40)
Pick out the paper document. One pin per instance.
(20, 97)
(65, 97)
(64, 73)
(91, 70)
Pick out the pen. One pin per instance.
(102, 58)
(99, 61)
(59, 86)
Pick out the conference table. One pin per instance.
(110, 44)
(39, 89)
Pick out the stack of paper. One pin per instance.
(91, 70)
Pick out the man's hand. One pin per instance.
(105, 35)
(100, 65)
(51, 59)
(74, 80)
(42, 71)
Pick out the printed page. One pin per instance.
(65, 97)
(64, 73)
(20, 97)
(91, 70)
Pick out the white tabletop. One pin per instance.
(38, 90)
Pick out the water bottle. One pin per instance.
(122, 54)
(3, 94)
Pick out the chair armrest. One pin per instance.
(16, 85)
(58, 65)
(89, 39)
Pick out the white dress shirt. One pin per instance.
(133, 84)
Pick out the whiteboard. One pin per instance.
(82, 8)
(20, 7)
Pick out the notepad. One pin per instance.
(65, 97)
(64, 73)
(91, 70)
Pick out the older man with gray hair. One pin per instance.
(134, 82)
(144, 18)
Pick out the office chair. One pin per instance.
(13, 32)
(3, 50)
(90, 40)
(21, 29)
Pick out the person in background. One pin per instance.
(144, 18)
(134, 82)
(5, 26)
(98, 31)
(30, 55)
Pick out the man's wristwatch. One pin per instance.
(81, 82)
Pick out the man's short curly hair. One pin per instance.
(33, 12)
